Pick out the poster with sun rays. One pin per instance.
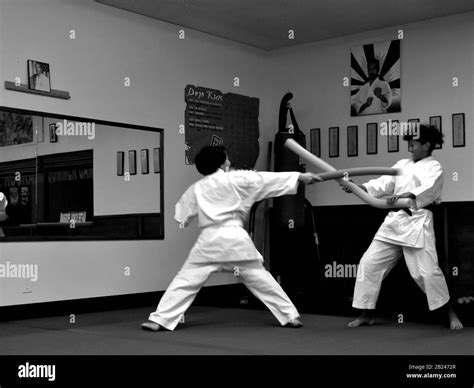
(375, 78)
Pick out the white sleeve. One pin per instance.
(357, 99)
(274, 184)
(387, 93)
(430, 187)
(384, 185)
(186, 208)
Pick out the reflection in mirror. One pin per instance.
(75, 179)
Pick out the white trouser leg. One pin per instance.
(376, 263)
(181, 293)
(424, 269)
(262, 284)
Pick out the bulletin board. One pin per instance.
(215, 118)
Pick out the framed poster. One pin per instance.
(144, 160)
(372, 138)
(459, 134)
(38, 76)
(352, 140)
(315, 142)
(120, 163)
(53, 137)
(156, 160)
(410, 122)
(393, 140)
(333, 142)
(132, 162)
(436, 122)
(375, 78)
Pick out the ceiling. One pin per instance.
(265, 23)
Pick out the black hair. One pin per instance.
(428, 133)
(210, 158)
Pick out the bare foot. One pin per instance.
(362, 320)
(454, 322)
(151, 326)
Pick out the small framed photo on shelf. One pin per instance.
(132, 162)
(459, 135)
(53, 136)
(120, 163)
(144, 160)
(393, 140)
(334, 142)
(352, 140)
(372, 138)
(436, 122)
(156, 161)
(315, 142)
(39, 76)
(65, 217)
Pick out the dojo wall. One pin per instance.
(112, 44)
(432, 53)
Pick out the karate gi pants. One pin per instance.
(382, 256)
(192, 276)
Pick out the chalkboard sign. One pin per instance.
(214, 118)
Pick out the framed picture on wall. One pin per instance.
(436, 122)
(458, 130)
(372, 138)
(132, 162)
(352, 140)
(120, 163)
(53, 137)
(315, 142)
(156, 160)
(333, 142)
(144, 160)
(375, 78)
(393, 140)
(38, 76)
(412, 125)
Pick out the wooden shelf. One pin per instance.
(9, 85)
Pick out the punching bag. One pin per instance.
(288, 212)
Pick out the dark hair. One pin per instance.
(375, 62)
(210, 158)
(428, 133)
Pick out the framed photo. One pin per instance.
(53, 136)
(459, 135)
(64, 217)
(39, 76)
(156, 161)
(410, 122)
(333, 142)
(372, 138)
(16, 129)
(436, 122)
(352, 140)
(315, 142)
(120, 162)
(132, 162)
(375, 78)
(144, 160)
(393, 140)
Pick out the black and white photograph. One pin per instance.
(39, 76)
(193, 187)
(375, 78)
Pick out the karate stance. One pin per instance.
(221, 200)
(375, 96)
(403, 234)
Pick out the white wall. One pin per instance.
(112, 44)
(432, 53)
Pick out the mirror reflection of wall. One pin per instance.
(69, 186)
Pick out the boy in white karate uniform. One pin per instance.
(221, 201)
(403, 234)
